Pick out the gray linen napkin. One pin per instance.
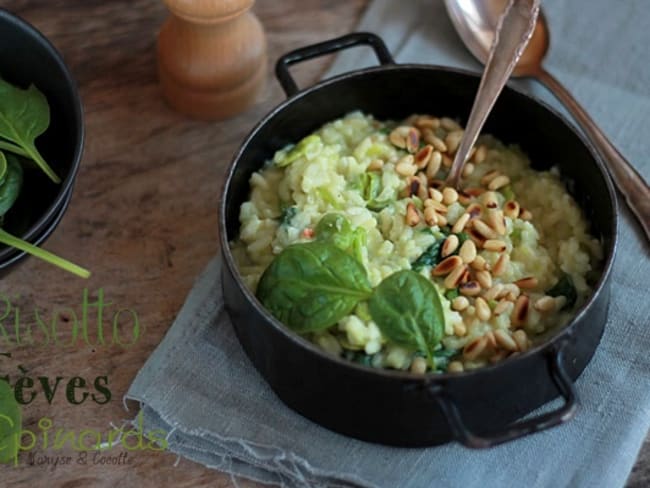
(199, 386)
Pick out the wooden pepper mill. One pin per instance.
(211, 57)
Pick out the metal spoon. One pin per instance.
(513, 32)
(476, 23)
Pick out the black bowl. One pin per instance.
(27, 57)
(478, 408)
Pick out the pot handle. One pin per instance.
(333, 45)
(522, 428)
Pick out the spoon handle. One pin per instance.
(630, 183)
(513, 32)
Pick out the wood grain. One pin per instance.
(143, 216)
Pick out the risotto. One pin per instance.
(352, 239)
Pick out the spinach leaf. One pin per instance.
(451, 294)
(508, 193)
(371, 187)
(430, 257)
(311, 286)
(3, 167)
(13, 241)
(299, 150)
(11, 184)
(25, 115)
(406, 308)
(288, 213)
(10, 424)
(336, 229)
(565, 288)
(442, 357)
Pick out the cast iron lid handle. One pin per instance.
(328, 47)
(521, 428)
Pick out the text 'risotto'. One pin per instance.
(352, 239)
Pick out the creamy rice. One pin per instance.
(530, 213)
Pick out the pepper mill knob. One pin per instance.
(211, 57)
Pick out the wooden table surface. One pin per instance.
(143, 216)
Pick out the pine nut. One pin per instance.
(422, 191)
(437, 184)
(375, 165)
(397, 136)
(426, 122)
(511, 209)
(434, 164)
(560, 302)
(520, 312)
(455, 367)
(474, 210)
(449, 124)
(499, 182)
(453, 279)
(405, 166)
(475, 191)
(419, 365)
(412, 140)
(412, 215)
(510, 289)
(423, 156)
(525, 214)
(489, 176)
(545, 304)
(453, 140)
(435, 141)
(527, 283)
(496, 220)
(497, 357)
(464, 198)
(485, 230)
(412, 186)
(480, 154)
(501, 265)
(489, 199)
(505, 340)
(492, 342)
(447, 161)
(439, 207)
(480, 264)
(483, 311)
(474, 349)
(470, 289)
(468, 169)
(435, 195)
(449, 196)
(460, 223)
(467, 251)
(459, 329)
(521, 338)
(493, 292)
(501, 307)
(450, 245)
(495, 245)
(446, 266)
(459, 303)
(430, 216)
(484, 278)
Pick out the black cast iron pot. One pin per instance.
(478, 408)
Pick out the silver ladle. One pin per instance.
(513, 31)
(476, 22)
